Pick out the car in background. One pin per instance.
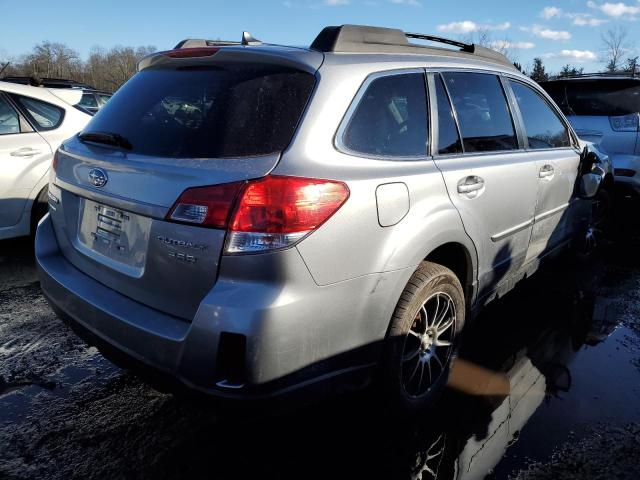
(33, 123)
(604, 109)
(92, 98)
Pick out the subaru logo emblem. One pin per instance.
(98, 177)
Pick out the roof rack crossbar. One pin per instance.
(465, 47)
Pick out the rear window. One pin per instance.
(221, 111)
(596, 97)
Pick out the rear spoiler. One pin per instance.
(246, 40)
(67, 95)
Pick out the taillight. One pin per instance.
(623, 172)
(266, 214)
(192, 52)
(56, 160)
(206, 206)
(277, 211)
(625, 123)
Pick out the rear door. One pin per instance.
(24, 159)
(549, 144)
(194, 122)
(490, 179)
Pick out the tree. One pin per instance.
(632, 65)
(104, 69)
(537, 72)
(569, 71)
(615, 45)
(519, 67)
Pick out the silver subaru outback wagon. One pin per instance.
(247, 220)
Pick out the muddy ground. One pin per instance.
(566, 342)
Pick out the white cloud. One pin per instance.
(335, 3)
(547, 33)
(413, 3)
(578, 19)
(506, 44)
(574, 55)
(587, 21)
(467, 26)
(615, 9)
(550, 12)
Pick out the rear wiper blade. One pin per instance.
(107, 138)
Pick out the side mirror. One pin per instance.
(589, 184)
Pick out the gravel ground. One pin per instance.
(66, 412)
(607, 453)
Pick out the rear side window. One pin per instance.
(543, 127)
(216, 111)
(483, 115)
(448, 137)
(391, 118)
(9, 119)
(610, 97)
(44, 115)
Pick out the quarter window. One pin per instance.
(448, 137)
(9, 119)
(543, 127)
(483, 115)
(391, 118)
(45, 115)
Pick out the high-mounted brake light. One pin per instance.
(270, 213)
(192, 52)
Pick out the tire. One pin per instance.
(38, 210)
(409, 351)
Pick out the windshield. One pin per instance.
(226, 110)
(611, 97)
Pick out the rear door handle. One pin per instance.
(546, 171)
(25, 152)
(470, 184)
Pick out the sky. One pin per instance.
(561, 31)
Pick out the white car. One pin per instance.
(33, 123)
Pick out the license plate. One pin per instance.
(114, 234)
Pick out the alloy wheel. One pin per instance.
(428, 344)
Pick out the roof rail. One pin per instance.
(48, 82)
(366, 39)
(247, 39)
(634, 74)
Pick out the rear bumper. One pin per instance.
(294, 333)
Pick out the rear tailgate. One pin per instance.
(597, 129)
(185, 127)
